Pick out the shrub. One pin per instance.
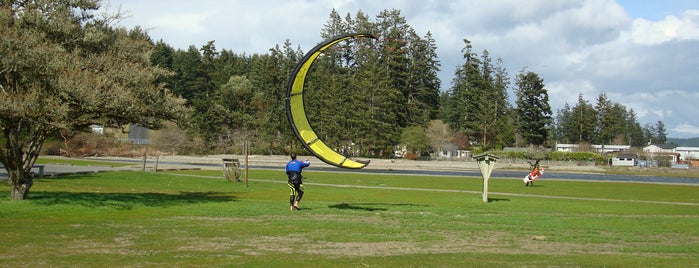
(576, 156)
(511, 154)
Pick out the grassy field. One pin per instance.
(198, 219)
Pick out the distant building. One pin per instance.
(97, 129)
(660, 148)
(625, 160)
(688, 153)
(564, 147)
(450, 151)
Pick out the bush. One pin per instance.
(552, 156)
(576, 156)
(511, 154)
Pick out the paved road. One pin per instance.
(56, 170)
(548, 175)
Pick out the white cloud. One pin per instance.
(671, 28)
(185, 23)
(686, 128)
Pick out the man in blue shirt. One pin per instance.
(293, 170)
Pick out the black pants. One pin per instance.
(296, 187)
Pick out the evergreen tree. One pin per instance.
(465, 98)
(503, 130)
(423, 82)
(162, 57)
(229, 64)
(649, 134)
(206, 122)
(660, 133)
(634, 130)
(269, 75)
(393, 30)
(602, 134)
(334, 26)
(485, 109)
(533, 108)
(617, 126)
(583, 124)
(185, 64)
(563, 129)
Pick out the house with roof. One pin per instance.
(666, 151)
(660, 148)
(598, 148)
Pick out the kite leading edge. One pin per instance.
(296, 112)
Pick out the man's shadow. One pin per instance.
(370, 206)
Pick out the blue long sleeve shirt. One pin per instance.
(295, 165)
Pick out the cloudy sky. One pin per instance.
(643, 54)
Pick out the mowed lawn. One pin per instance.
(198, 219)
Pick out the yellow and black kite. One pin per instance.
(297, 114)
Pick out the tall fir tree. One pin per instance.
(533, 108)
(503, 131)
(563, 124)
(464, 95)
(423, 82)
(660, 133)
(583, 125)
(634, 130)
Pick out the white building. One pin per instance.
(97, 129)
(563, 147)
(688, 153)
(625, 160)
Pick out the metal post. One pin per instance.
(246, 163)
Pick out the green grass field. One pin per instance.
(198, 219)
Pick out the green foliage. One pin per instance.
(512, 155)
(576, 156)
(603, 123)
(552, 156)
(64, 68)
(415, 139)
(476, 104)
(657, 133)
(534, 113)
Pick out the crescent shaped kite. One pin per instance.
(296, 112)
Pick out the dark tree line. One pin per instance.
(605, 122)
(360, 95)
(365, 97)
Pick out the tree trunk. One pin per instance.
(20, 183)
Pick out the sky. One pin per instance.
(642, 54)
